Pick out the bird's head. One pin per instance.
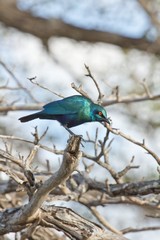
(99, 114)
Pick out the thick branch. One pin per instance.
(124, 189)
(44, 29)
(12, 218)
(76, 225)
(140, 188)
(60, 218)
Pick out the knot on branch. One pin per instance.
(73, 145)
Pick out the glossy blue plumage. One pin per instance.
(70, 112)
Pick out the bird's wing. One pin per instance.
(65, 106)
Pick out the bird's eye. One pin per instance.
(100, 113)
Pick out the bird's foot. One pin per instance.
(70, 132)
(73, 134)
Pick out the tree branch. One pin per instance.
(113, 101)
(130, 139)
(10, 219)
(123, 189)
(64, 219)
(130, 99)
(44, 29)
(77, 226)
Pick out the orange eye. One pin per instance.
(100, 113)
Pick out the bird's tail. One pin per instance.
(29, 117)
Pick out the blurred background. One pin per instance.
(120, 42)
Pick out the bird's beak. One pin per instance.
(107, 120)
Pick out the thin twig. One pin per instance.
(80, 90)
(103, 221)
(52, 150)
(131, 229)
(32, 80)
(143, 83)
(18, 81)
(130, 139)
(127, 168)
(89, 74)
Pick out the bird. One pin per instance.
(71, 112)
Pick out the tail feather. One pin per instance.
(29, 117)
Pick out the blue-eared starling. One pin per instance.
(70, 112)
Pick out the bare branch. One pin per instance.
(22, 107)
(80, 90)
(126, 100)
(141, 144)
(130, 229)
(52, 150)
(31, 211)
(66, 219)
(123, 189)
(139, 188)
(18, 81)
(5, 155)
(32, 80)
(147, 91)
(89, 74)
(130, 99)
(147, 5)
(103, 221)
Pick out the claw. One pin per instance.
(72, 133)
